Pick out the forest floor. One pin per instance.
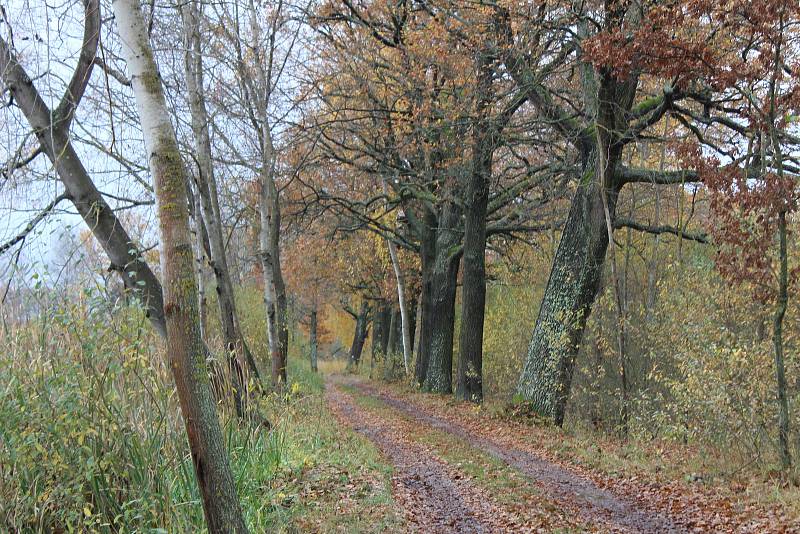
(458, 469)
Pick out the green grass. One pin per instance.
(318, 476)
(91, 439)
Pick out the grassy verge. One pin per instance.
(313, 476)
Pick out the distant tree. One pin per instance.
(310, 280)
(255, 51)
(426, 116)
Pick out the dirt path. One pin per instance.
(434, 496)
(438, 498)
(579, 495)
(592, 499)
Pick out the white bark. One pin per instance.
(401, 297)
(266, 266)
(207, 193)
(52, 131)
(405, 328)
(185, 349)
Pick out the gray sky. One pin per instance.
(47, 38)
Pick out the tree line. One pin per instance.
(378, 153)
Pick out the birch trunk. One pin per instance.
(256, 81)
(201, 255)
(184, 345)
(405, 325)
(401, 297)
(274, 291)
(269, 287)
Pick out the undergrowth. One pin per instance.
(92, 439)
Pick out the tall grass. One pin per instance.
(91, 437)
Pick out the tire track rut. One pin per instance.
(591, 502)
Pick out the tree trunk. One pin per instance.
(427, 252)
(200, 261)
(777, 338)
(270, 291)
(390, 322)
(282, 315)
(571, 289)
(377, 330)
(595, 408)
(274, 287)
(578, 264)
(312, 331)
(184, 345)
(393, 348)
(405, 324)
(418, 328)
(253, 73)
(359, 335)
(269, 295)
(380, 330)
(413, 314)
(783, 281)
(439, 377)
(440, 255)
(209, 206)
(393, 340)
(218, 382)
(469, 385)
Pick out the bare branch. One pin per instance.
(42, 215)
(627, 175)
(112, 72)
(700, 237)
(83, 71)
